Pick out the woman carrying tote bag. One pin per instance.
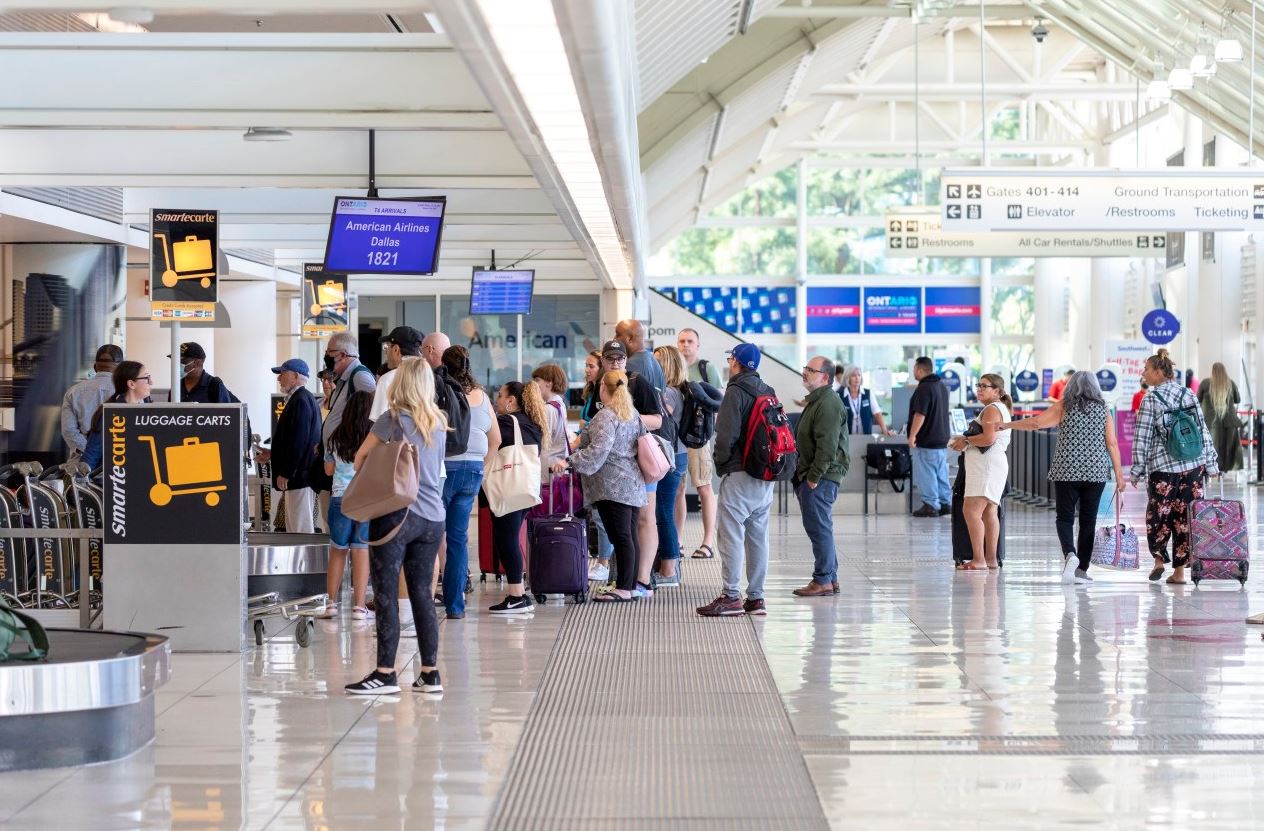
(512, 483)
(414, 418)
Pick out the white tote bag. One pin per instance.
(511, 481)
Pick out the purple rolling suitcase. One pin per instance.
(1219, 541)
(559, 553)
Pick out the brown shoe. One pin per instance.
(815, 589)
(834, 586)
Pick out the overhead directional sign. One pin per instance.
(920, 234)
(1147, 201)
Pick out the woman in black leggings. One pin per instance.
(412, 416)
(516, 404)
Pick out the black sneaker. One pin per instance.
(513, 606)
(375, 683)
(754, 607)
(428, 682)
(945, 510)
(438, 598)
(926, 511)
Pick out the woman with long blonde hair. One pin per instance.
(1219, 398)
(412, 417)
(666, 572)
(612, 477)
(520, 409)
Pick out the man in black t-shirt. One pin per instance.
(930, 427)
(614, 357)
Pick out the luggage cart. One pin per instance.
(190, 463)
(193, 261)
(49, 560)
(301, 609)
(14, 581)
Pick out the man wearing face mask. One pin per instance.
(198, 385)
(294, 445)
(821, 439)
(342, 357)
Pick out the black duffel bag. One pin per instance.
(893, 462)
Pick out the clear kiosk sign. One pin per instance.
(183, 264)
(1027, 381)
(920, 234)
(1144, 201)
(1107, 380)
(172, 473)
(1160, 327)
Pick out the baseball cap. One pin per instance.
(613, 350)
(403, 336)
(294, 365)
(746, 354)
(191, 350)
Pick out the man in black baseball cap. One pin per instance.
(200, 386)
(402, 342)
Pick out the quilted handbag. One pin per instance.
(1115, 546)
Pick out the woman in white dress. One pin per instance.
(987, 470)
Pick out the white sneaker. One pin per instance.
(1069, 565)
(361, 613)
(598, 573)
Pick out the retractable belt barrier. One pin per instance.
(1030, 454)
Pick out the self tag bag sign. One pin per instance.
(172, 473)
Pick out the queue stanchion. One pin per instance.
(1257, 427)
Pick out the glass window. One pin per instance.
(730, 251)
(1013, 310)
(561, 329)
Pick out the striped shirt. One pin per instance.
(1149, 446)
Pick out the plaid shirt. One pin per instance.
(1149, 448)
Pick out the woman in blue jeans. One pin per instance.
(667, 572)
(465, 475)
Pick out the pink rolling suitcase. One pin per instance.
(1219, 542)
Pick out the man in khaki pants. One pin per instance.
(701, 460)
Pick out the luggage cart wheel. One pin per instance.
(206, 282)
(212, 499)
(258, 633)
(160, 494)
(541, 599)
(303, 634)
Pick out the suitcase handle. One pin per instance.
(191, 238)
(191, 441)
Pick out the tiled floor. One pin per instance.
(918, 698)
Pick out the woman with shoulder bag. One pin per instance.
(522, 420)
(1085, 455)
(1173, 480)
(987, 470)
(612, 477)
(417, 530)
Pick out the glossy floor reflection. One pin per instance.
(919, 698)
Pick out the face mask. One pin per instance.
(187, 370)
(330, 362)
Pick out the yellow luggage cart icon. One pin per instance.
(329, 295)
(190, 463)
(194, 260)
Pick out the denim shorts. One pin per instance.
(344, 532)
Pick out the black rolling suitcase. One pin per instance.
(962, 551)
(559, 552)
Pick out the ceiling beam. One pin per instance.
(250, 8)
(857, 12)
(971, 91)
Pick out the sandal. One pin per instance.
(1157, 573)
(704, 552)
(611, 597)
(1172, 581)
(971, 567)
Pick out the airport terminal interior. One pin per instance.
(228, 227)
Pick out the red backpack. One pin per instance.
(769, 452)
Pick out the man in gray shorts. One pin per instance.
(702, 460)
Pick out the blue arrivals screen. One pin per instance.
(385, 236)
(501, 292)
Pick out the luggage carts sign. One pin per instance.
(183, 264)
(324, 302)
(173, 473)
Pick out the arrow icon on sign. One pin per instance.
(954, 212)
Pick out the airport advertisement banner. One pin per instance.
(921, 234)
(1130, 356)
(183, 264)
(952, 310)
(173, 474)
(1145, 201)
(324, 302)
(833, 311)
(893, 311)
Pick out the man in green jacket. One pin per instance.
(821, 438)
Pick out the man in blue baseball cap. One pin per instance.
(294, 445)
(744, 501)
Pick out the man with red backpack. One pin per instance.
(754, 447)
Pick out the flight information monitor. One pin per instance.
(385, 236)
(501, 292)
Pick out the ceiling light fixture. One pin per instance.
(267, 134)
(1229, 50)
(140, 15)
(1159, 89)
(1203, 64)
(1180, 78)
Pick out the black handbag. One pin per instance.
(893, 462)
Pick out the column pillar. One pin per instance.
(801, 264)
(1190, 314)
(985, 313)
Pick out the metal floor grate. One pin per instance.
(1183, 744)
(646, 710)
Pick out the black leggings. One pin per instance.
(620, 523)
(507, 544)
(1088, 495)
(414, 549)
